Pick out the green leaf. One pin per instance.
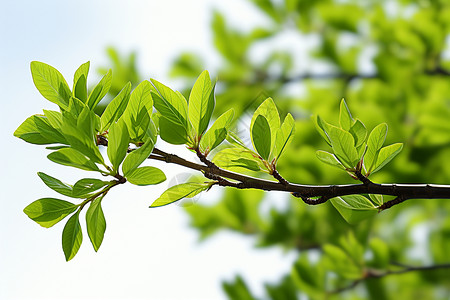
(323, 128)
(310, 278)
(345, 117)
(261, 136)
(100, 90)
(44, 128)
(146, 176)
(136, 157)
(49, 211)
(72, 237)
(200, 103)
(374, 144)
(96, 223)
(139, 109)
(235, 158)
(217, 133)
(80, 133)
(56, 185)
(269, 111)
(377, 199)
(343, 146)
(115, 108)
(354, 208)
(284, 136)
(80, 89)
(180, 191)
(329, 159)
(170, 104)
(84, 187)
(51, 84)
(73, 158)
(118, 142)
(29, 132)
(82, 70)
(386, 155)
(359, 133)
(171, 132)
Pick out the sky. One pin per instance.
(146, 253)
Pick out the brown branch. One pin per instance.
(308, 192)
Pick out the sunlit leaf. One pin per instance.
(345, 117)
(72, 237)
(73, 158)
(386, 155)
(329, 159)
(96, 223)
(343, 146)
(146, 176)
(354, 208)
(170, 104)
(374, 144)
(199, 103)
(118, 142)
(269, 111)
(56, 184)
(284, 136)
(49, 211)
(100, 90)
(51, 84)
(261, 136)
(116, 107)
(136, 157)
(86, 186)
(217, 133)
(180, 191)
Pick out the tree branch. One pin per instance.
(308, 192)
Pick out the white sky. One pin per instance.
(146, 253)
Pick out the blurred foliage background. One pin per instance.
(390, 60)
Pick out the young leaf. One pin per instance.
(80, 133)
(96, 223)
(217, 133)
(72, 237)
(374, 144)
(345, 118)
(118, 142)
(261, 136)
(136, 157)
(386, 155)
(343, 146)
(284, 136)
(170, 104)
(29, 132)
(146, 176)
(82, 70)
(84, 187)
(323, 128)
(354, 208)
(100, 90)
(339, 261)
(49, 132)
(359, 133)
(73, 158)
(180, 191)
(171, 132)
(139, 109)
(80, 89)
(49, 211)
(56, 185)
(115, 108)
(377, 199)
(269, 111)
(235, 158)
(50, 83)
(199, 103)
(329, 159)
